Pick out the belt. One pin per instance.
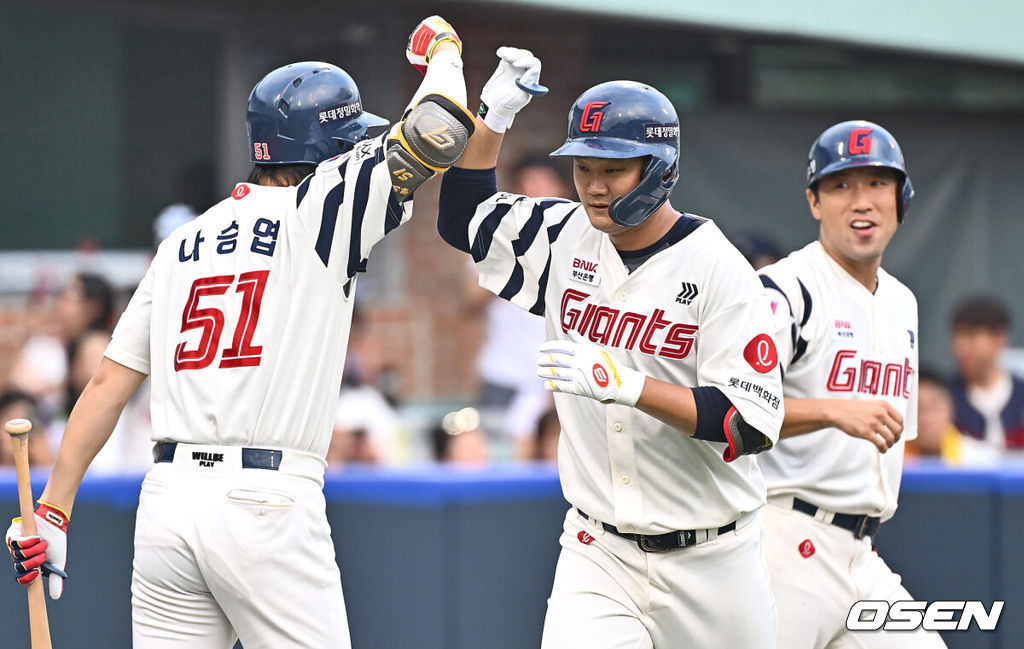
(860, 525)
(660, 542)
(252, 458)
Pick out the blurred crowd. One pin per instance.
(974, 417)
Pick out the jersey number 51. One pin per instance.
(241, 353)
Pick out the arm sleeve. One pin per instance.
(129, 344)
(737, 353)
(509, 236)
(443, 77)
(461, 191)
(347, 206)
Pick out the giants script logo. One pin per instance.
(590, 121)
(860, 141)
(625, 329)
(869, 377)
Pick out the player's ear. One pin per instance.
(814, 203)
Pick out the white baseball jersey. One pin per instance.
(694, 314)
(837, 340)
(242, 320)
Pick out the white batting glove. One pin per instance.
(502, 97)
(588, 371)
(425, 38)
(46, 553)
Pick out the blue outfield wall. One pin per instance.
(439, 559)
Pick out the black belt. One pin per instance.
(861, 526)
(660, 542)
(252, 458)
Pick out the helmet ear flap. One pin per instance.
(906, 193)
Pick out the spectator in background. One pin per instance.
(758, 249)
(545, 442)
(51, 368)
(509, 388)
(15, 404)
(937, 437)
(459, 440)
(367, 426)
(988, 401)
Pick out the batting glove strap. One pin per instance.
(742, 438)
(501, 97)
(425, 38)
(588, 371)
(53, 515)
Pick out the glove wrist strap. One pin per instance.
(632, 386)
(494, 120)
(53, 515)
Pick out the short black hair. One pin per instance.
(286, 175)
(982, 311)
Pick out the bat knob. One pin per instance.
(534, 89)
(18, 426)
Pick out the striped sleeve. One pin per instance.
(511, 237)
(791, 306)
(347, 206)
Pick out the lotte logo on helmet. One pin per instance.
(590, 121)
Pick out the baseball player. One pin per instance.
(242, 322)
(847, 339)
(665, 377)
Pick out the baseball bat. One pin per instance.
(39, 625)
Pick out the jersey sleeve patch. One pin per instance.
(760, 353)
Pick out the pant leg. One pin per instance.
(715, 594)
(274, 570)
(810, 573)
(172, 607)
(593, 600)
(876, 581)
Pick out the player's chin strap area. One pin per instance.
(429, 140)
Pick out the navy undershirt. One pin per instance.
(683, 226)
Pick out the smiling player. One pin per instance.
(847, 337)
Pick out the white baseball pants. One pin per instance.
(223, 552)
(818, 572)
(610, 594)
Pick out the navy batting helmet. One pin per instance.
(301, 112)
(626, 119)
(859, 144)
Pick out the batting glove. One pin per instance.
(588, 371)
(423, 40)
(502, 97)
(45, 553)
